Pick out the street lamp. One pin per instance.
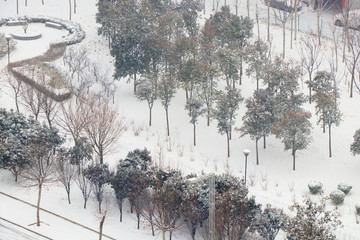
(246, 153)
(8, 37)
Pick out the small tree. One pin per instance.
(194, 206)
(15, 85)
(355, 146)
(119, 182)
(104, 128)
(166, 197)
(258, 118)
(269, 222)
(353, 57)
(283, 17)
(125, 182)
(194, 106)
(311, 221)
(327, 103)
(65, 170)
(146, 91)
(310, 58)
(257, 57)
(166, 92)
(225, 112)
(99, 176)
(41, 152)
(15, 133)
(24, 23)
(294, 130)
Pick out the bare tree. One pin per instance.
(310, 50)
(15, 85)
(267, 3)
(41, 152)
(31, 99)
(104, 126)
(65, 171)
(335, 42)
(24, 23)
(283, 17)
(352, 58)
(320, 7)
(76, 59)
(73, 117)
(84, 185)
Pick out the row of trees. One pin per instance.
(165, 199)
(196, 58)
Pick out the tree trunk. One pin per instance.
(310, 81)
(17, 102)
(150, 115)
(264, 142)
(38, 205)
(120, 208)
(248, 7)
(68, 192)
(138, 219)
(352, 80)
(75, 6)
(257, 21)
(293, 153)
(194, 134)
(152, 225)
(167, 121)
(135, 83)
(228, 144)
(208, 117)
(26, 3)
(101, 155)
(85, 201)
(42, 1)
(69, 10)
(284, 28)
(257, 152)
(240, 69)
(268, 22)
(17, 6)
(163, 235)
(101, 227)
(291, 28)
(330, 154)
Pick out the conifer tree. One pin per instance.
(355, 146)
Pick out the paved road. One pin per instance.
(11, 232)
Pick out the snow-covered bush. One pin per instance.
(345, 188)
(323, 223)
(337, 197)
(357, 208)
(315, 187)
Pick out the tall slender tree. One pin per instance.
(225, 112)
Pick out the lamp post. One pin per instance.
(8, 37)
(246, 153)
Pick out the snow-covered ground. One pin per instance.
(275, 182)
